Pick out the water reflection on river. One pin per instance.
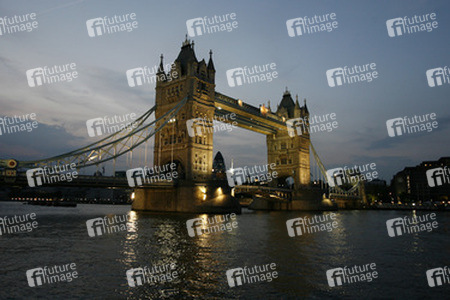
(201, 261)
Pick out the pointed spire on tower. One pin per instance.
(186, 59)
(286, 92)
(161, 65)
(210, 62)
(287, 104)
(186, 42)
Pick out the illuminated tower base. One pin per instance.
(187, 196)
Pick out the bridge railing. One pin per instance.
(247, 107)
(265, 188)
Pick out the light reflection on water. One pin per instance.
(201, 261)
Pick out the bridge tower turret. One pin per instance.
(189, 144)
(289, 150)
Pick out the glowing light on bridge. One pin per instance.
(263, 109)
(203, 190)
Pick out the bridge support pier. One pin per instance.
(186, 196)
(311, 199)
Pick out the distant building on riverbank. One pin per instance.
(219, 169)
(429, 181)
(377, 190)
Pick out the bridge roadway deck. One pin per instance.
(268, 193)
(84, 181)
(122, 182)
(256, 188)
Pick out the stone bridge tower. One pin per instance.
(185, 142)
(289, 150)
(188, 144)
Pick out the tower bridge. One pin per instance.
(188, 100)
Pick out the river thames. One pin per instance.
(201, 261)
